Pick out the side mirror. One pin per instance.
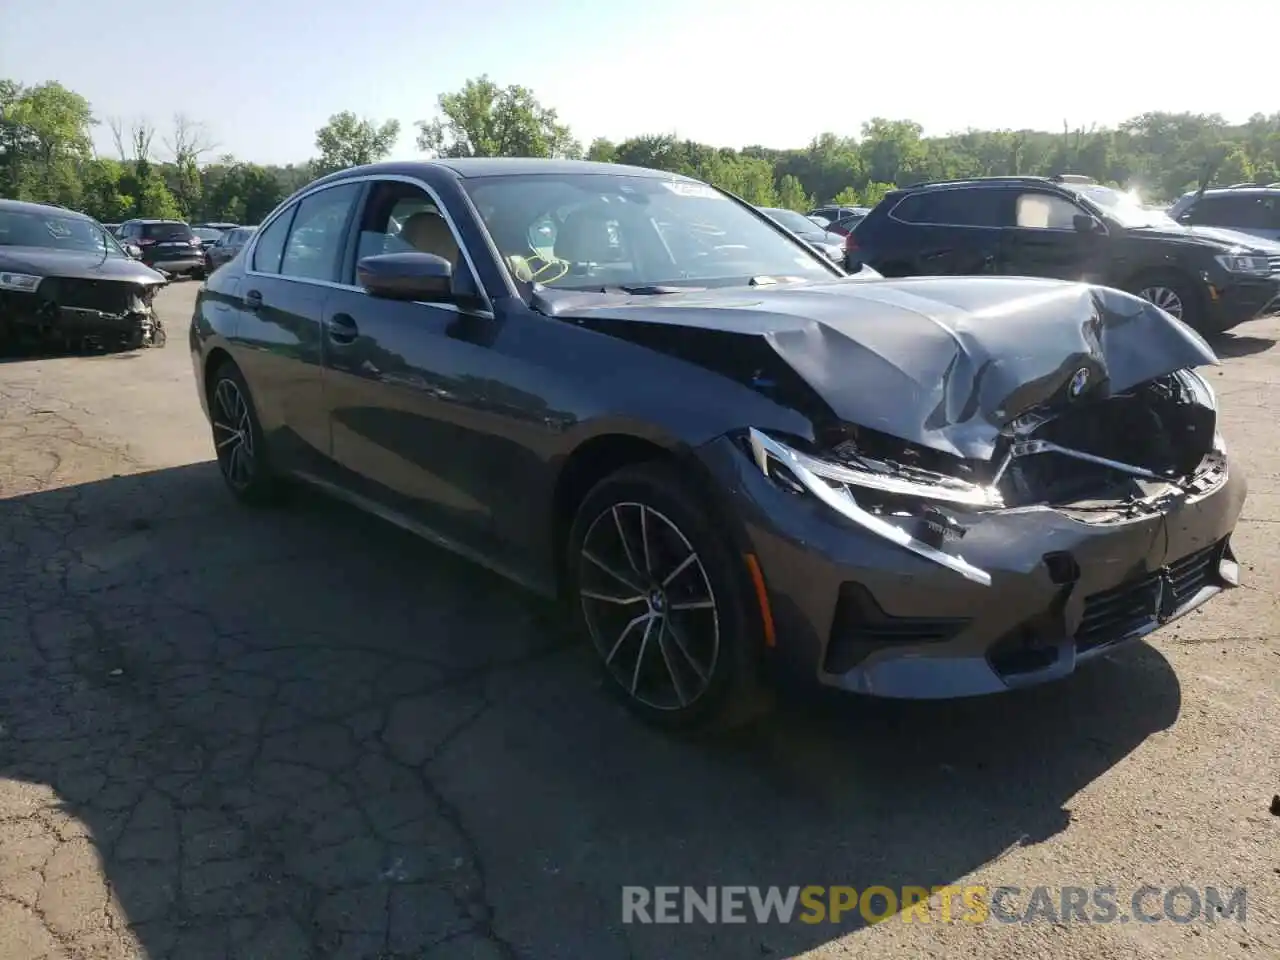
(407, 276)
(1084, 223)
(133, 250)
(1185, 217)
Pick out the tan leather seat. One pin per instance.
(429, 233)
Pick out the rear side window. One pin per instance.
(161, 232)
(266, 255)
(979, 207)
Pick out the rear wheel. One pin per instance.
(238, 441)
(665, 601)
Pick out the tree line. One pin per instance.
(47, 154)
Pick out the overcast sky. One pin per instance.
(262, 75)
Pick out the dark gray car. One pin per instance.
(624, 387)
(66, 282)
(226, 247)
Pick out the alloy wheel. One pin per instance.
(1166, 298)
(233, 433)
(649, 606)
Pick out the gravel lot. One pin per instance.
(209, 747)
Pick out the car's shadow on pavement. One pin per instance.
(1240, 345)
(303, 733)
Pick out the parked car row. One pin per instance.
(178, 248)
(732, 460)
(1073, 229)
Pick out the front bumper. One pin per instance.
(857, 612)
(1235, 300)
(27, 317)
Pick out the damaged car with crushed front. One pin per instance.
(729, 459)
(66, 283)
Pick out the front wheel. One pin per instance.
(238, 441)
(665, 601)
(1174, 295)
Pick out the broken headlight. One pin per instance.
(902, 505)
(864, 473)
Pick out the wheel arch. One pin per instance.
(215, 358)
(605, 454)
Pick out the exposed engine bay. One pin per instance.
(1099, 460)
(70, 313)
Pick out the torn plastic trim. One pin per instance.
(810, 473)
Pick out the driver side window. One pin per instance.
(400, 218)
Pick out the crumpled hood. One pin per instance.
(943, 362)
(43, 262)
(1213, 236)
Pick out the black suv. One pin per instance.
(167, 245)
(1071, 230)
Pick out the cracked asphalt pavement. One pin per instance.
(303, 733)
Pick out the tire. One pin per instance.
(1174, 294)
(681, 654)
(246, 468)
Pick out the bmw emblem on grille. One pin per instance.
(1079, 381)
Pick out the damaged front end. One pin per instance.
(1103, 461)
(74, 313)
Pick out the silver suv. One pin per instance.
(1247, 208)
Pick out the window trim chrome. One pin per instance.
(252, 246)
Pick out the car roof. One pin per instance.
(26, 206)
(467, 167)
(154, 220)
(1237, 191)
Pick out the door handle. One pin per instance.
(253, 299)
(342, 328)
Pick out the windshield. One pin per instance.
(598, 231)
(207, 234)
(21, 228)
(795, 222)
(1125, 208)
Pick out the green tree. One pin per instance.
(874, 192)
(655, 151)
(602, 150)
(892, 150)
(104, 197)
(791, 194)
(351, 141)
(154, 199)
(485, 120)
(50, 138)
(188, 143)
